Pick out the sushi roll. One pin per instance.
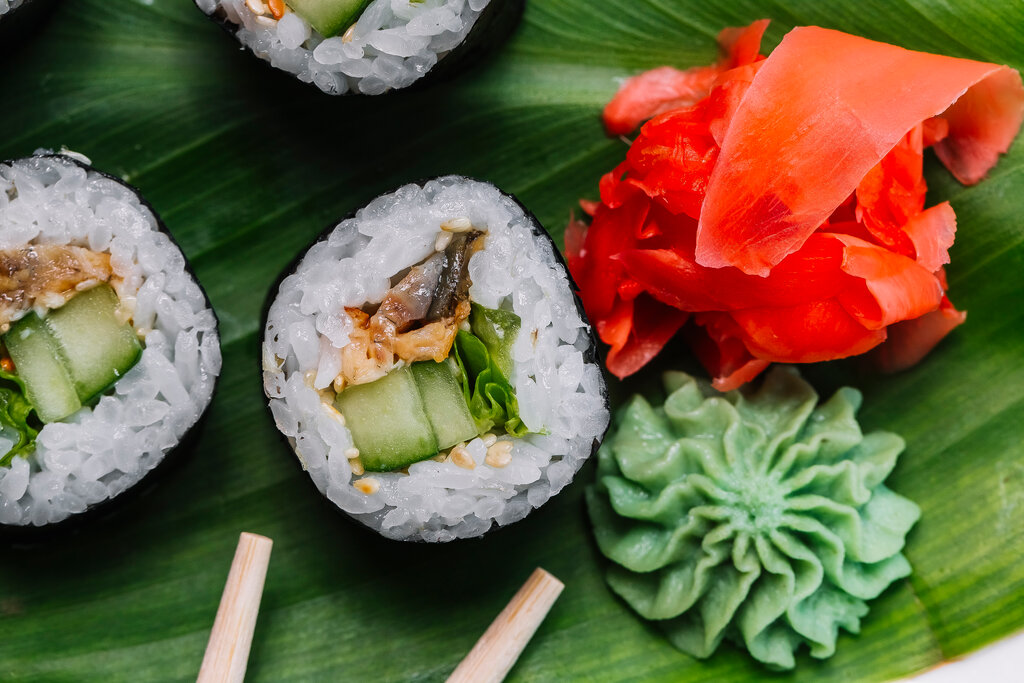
(110, 349)
(367, 47)
(430, 364)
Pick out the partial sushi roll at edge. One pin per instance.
(367, 47)
(18, 20)
(110, 348)
(430, 364)
(8, 6)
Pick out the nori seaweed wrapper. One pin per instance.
(589, 356)
(15, 535)
(493, 27)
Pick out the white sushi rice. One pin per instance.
(9, 5)
(394, 43)
(99, 452)
(561, 395)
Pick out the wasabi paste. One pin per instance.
(760, 516)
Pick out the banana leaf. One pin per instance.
(246, 165)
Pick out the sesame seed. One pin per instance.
(489, 439)
(442, 241)
(369, 485)
(351, 453)
(347, 36)
(257, 7)
(461, 224)
(461, 458)
(499, 454)
(356, 465)
(327, 403)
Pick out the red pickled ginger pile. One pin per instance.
(779, 203)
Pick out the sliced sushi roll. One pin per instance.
(109, 349)
(367, 47)
(430, 364)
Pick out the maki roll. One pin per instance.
(363, 46)
(430, 365)
(109, 350)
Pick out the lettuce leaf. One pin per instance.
(490, 396)
(497, 329)
(14, 417)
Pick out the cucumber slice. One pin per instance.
(37, 362)
(444, 403)
(96, 347)
(329, 17)
(388, 422)
(498, 330)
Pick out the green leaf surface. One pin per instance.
(246, 166)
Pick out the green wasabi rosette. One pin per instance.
(758, 516)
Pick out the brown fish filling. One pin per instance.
(418, 318)
(47, 276)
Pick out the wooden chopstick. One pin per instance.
(501, 644)
(227, 653)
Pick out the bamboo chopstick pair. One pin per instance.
(489, 661)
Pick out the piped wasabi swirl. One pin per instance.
(760, 516)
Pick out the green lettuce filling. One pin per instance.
(759, 517)
(14, 416)
(497, 329)
(490, 396)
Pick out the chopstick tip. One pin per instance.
(542, 574)
(257, 539)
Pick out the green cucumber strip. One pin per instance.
(443, 402)
(388, 423)
(96, 347)
(329, 17)
(36, 359)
